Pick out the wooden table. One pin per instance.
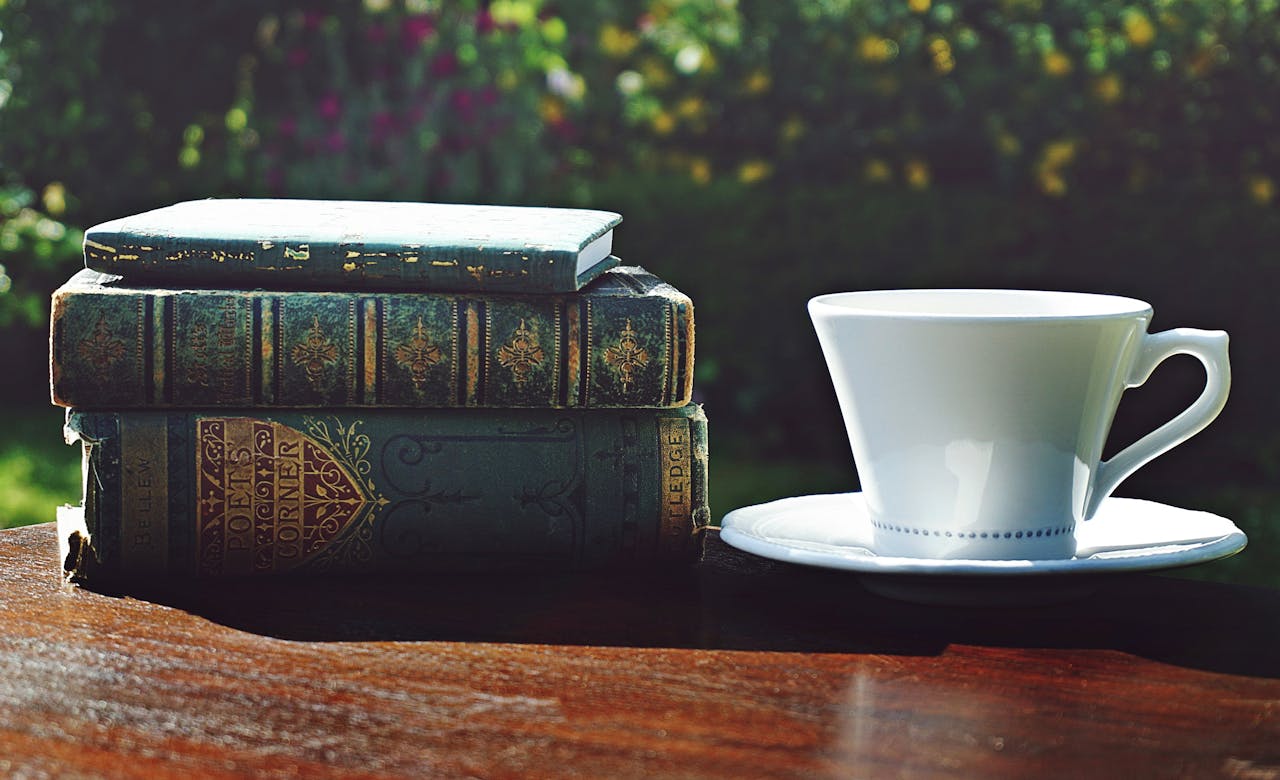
(737, 668)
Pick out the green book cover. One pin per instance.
(289, 244)
(625, 340)
(220, 493)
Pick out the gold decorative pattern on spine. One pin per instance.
(573, 354)
(418, 353)
(315, 353)
(158, 351)
(350, 361)
(558, 353)
(140, 343)
(100, 247)
(626, 356)
(101, 350)
(473, 353)
(588, 357)
(370, 309)
(268, 321)
(668, 365)
(273, 498)
(521, 354)
(247, 359)
(454, 316)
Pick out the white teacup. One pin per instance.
(977, 418)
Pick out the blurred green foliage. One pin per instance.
(762, 152)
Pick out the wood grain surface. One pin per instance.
(736, 668)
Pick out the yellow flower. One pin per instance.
(873, 48)
(700, 170)
(690, 108)
(919, 6)
(520, 13)
(551, 110)
(1138, 28)
(508, 79)
(1056, 63)
(1262, 189)
(792, 129)
(1108, 88)
(757, 82)
(655, 72)
(617, 42)
(1055, 156)
(1058, 153)
(1008, 144)
(753, 171)
(55, 198)
(943, 62)
(877, 170)
(1052, 183)
(663, 123)
(916, 172)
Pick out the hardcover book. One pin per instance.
(626, 340)
(216, 494)
(357, 245)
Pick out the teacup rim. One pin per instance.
(1090, 305)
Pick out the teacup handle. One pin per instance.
(1210, 347)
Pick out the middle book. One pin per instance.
(625, 340)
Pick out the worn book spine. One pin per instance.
(290, 244)
(626, 340)
(374, 266)
(217, 494)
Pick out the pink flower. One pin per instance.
(464, 103)
(484, 22)
(445, 64)
(297, 57)
(384, 124)
(330, 106)
(335, 141)
(287, 126)
(564, 129)
(416, 29)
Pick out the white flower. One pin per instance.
(629, 82)
(566, 84)
(690, 58)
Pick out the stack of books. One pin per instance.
(267, 386)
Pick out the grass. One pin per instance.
(38, 472)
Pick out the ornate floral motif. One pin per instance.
(417, 354)
(626, 356)
(101, 350)
(521, 354)
(315, 353)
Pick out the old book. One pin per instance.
(215, 494)
(626, 340)
(356, 245)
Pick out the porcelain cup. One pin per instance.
(978, 418)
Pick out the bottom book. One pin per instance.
(215, 494)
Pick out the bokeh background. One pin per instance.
(761, 152)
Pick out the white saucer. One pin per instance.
(834, 532)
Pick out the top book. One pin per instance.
(322, 244)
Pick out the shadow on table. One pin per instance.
(734, 601)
